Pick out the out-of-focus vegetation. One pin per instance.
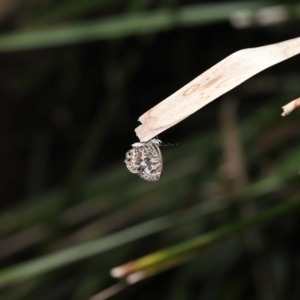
(223, 221)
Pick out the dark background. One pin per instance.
(68, 111)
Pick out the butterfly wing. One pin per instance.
(152, 163)
(133, 160)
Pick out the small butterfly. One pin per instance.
(145, 159)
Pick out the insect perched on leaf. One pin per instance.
(145, 159)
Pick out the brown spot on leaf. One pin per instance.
(211, 82)
(191, 90)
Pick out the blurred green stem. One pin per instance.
(182, 250)
(65, 257)
(122, 26)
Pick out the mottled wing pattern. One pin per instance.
(145, 159)
(134, 159)
(153, 163)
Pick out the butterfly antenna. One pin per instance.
(165, 145)
(168, 144)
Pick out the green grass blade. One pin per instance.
(59, 259)
(178, 253)
(121, 26)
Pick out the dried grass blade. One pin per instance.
(216, 81)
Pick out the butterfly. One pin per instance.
(145, 159)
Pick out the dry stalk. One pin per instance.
(290, 107)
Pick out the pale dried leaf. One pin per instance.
(288, 108)
(211, 84)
